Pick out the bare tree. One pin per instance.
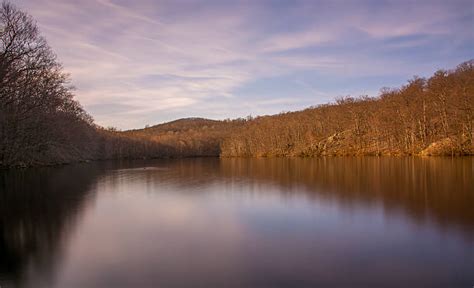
(37, 109)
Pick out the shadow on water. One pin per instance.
(38, 208)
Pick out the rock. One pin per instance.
(443, 147)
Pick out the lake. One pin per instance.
(209, 222)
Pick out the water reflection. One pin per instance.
(240, 222)
(427, 189)
(38, 208)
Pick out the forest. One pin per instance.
(42, 124)
(432, 116)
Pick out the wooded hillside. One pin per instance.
(188, 137)
(39, 119)
(432, 116)
(41, 123)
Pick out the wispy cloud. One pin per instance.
(143, 62)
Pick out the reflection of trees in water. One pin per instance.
(437, 189)
(38, 207)
(425, 189)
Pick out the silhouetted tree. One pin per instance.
(39, 119)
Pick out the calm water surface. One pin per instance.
(338, 222)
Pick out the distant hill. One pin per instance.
(432, 116)
(42, 124)
(179, 125)
(188, 136)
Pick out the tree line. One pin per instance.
(433, 116)
(37, 111)
(41, 122)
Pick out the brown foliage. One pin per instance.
(39, 120)
(188, 137)
(41, 123)
(401, 121)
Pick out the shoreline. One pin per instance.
(56, 165)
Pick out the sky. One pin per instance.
(143, 62)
